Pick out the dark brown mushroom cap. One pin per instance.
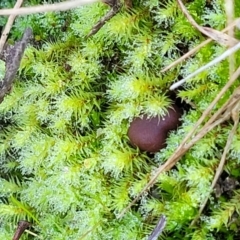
(149, 134)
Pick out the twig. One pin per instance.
(9, 25)
(214, 36)
(188, 54)
(158, 229)
(22, 226)
(33, 234)
(229, 9)
(235, 117)
(210, 64)
(220, 37)
(192, 51)
(13, 59)
(62, 6)
(115, 7)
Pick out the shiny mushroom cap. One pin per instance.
(149, 134)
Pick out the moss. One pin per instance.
(66, 162)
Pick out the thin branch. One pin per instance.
(9, 25)
(218, 36)
(33, 234)
(208, 65)
(223, 159)
(211, 106)
(63, 6)
(158, 229)
(188, 54)
(22, 226)
(115, 7)
(13, 59)
(192, 51)
(229, 9)
(227, 53)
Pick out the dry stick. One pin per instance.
(229, 9)
(62, 6)
(211, 106)
(212, 33)
(210, 64)
(22, 226)
(13, 59)
(221, 164)
(9, 25)
(220, 116)
(158, 229)
(33, 234)
(231, 102)
(192, 51)
(110, 14)
(188, 54)
(183, 147)
(229, 106)
(213, 62)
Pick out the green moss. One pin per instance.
(66, 162)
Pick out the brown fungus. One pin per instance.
(150, 133)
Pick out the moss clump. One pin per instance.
(66, 162)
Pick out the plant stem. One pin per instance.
(22, 226)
